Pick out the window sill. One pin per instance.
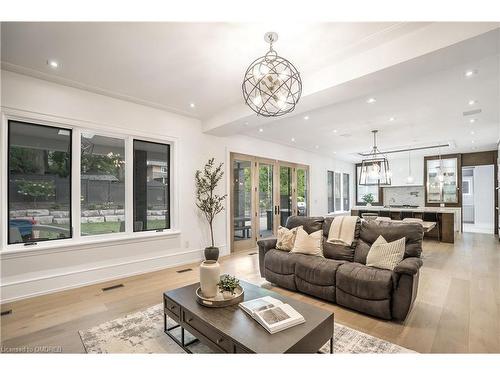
(335, 213)
(19, 250)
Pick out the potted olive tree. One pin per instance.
(208, 201)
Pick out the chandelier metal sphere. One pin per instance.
(272, 85)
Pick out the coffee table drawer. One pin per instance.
(172, 307)
(207, 331)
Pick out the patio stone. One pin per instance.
(59, 214)
(95, 219)
(37, 212)
(44, 219)
(61, 220)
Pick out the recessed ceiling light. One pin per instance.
(261, 130)
(371, 100)
(473, 141)
(472, 132)
(316, 147)
(472, 120)
(306, 117)
(335, 152)
(293, 139)
(470, 73)
(391, 119)
(335, 130)
(53, 64)
(472, 102)
(246, 123)
(192, 105)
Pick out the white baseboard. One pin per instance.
(32, 287)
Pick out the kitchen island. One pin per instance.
(448, 218)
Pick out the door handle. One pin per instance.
(275, 210)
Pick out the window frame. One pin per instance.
(7, 190)
(341, 173)
(379, 202)
(77, 127)
(169, 182)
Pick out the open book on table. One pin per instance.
(272, 314)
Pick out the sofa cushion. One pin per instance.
(370, 230)
(386, 255)
(280, 262)
(364, 282)
(310, 223)
(286, 238)
(310, 244)
(338, 252)
(316, 270)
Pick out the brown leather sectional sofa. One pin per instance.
(341, 276)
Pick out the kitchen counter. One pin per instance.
(408, 209)
(449, 218)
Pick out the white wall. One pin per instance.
(44, 270)
(399, 168)
(484, 197)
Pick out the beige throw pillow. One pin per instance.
(310, 244)
(286, 238)
(386, 255)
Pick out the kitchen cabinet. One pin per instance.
(400, 171)
(443, 180)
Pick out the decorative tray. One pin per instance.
(219, 300)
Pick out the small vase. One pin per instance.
(211, 253)
(227, 294)
(209, 278)
(368, 205)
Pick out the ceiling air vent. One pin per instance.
(473, 112)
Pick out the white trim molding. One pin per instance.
(21, 288)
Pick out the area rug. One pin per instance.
(142, 332)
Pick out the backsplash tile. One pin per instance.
(411, 195)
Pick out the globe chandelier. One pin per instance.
(375, 169)
(272, 85)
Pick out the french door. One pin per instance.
(264, 193)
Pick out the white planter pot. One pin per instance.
(209, 277)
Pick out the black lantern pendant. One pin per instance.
(375, 169)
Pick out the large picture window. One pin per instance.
(39, 182)
(338, 191)
(345, 192)
(102, 184)
(362, 190)
(111, 186)
(151, 186)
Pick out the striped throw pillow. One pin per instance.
(386, 255)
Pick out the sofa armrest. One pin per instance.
(409, 266)
(264, 246)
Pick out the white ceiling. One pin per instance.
(170, 65)
(426, 97)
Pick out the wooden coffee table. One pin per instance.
(231, 330)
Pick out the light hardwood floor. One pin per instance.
(457, 309)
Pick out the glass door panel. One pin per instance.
(442, 181)
(302, 193)
(242, 202)
(285, 203)
(265, 200)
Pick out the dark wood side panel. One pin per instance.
(479, 158)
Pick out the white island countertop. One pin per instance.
(450, 210)
(456, 211)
